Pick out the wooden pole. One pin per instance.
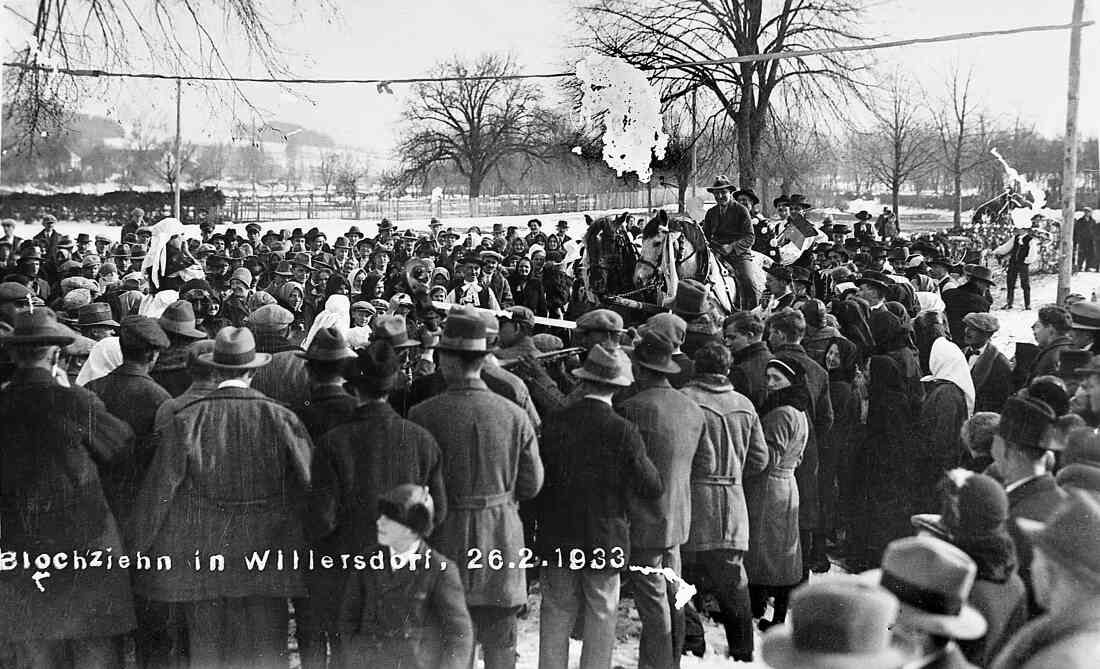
(1069, 162)
(694, 144)
(176, 182)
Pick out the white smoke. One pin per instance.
(1031, 191)
(631, 112)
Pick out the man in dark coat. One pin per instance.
(490, 462)
(719, 516)
(989, 368)
(1084, 231)
(229, 479)
(285, 378)
(170, 370)
(355, 462)
(786, 330)
(1052, 335)
(676, 440)
(1022, 250)
(594, 460)
(968, 298)
(328, 404)
(728, 227)
(743, 334)
(1021, 462)
(51, 502)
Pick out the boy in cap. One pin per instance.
(515, 334)
(989, 368)
(411, 612)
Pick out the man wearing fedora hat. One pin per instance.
(229, 478)
(55, 441)
(581, 506)
(491, 464)
(94, 321)
(326, 361)
(354, 463)
(989, 368)
(839, 623)
(728, 227)
(969, 298)
(1067, 585)
(691, 305)
(932, 580)
(171, 369)
(673, 428)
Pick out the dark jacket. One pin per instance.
(958, 302)
(1046, 361)
(594, 460)
(229, 477)
(490, 462)
(1037, 499)
(676, 440)
(414, 618)
(747, 373)
(170, 372)
(936, 444)
(719, 517)
(1066, 641)
(131, 394)
(992, 375)
(51, 501)
(328, 405)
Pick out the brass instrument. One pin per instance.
(547, 358)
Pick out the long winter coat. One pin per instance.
(406, 618)
(354, 463)
(936, 445)
(747, 372)
(821, 421)
(676, 440)
(719, 515)
(775, 555)
(490, 463)
(229, 477)
(958, 302)
(51, 501)
(1003, 604)
(328, 406)
(1046, 361)
(992, 375)
(1037, 499)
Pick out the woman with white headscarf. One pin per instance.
(105, 356)
(948, 403)
(337, 314)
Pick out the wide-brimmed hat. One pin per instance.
(654, 351)
(798, 200)
(863, 215)
(39, 327)
(982, 322)
(932, 580)
(979, 273)
(779, 201)
(235, 348)
(327, 345)
(30, 253)
(600, 320)
(302, 260)
(394, 330)
(1071, 537)
(876, 279)
(1085, 315)
(747, 192)
(96, 313)
(490, 254)
(691, 298)
(721, 183)
(610, 368)
(464, 331)
(179, 318)
(838, 623)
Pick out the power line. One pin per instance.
(383, 83)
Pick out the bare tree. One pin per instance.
(169, 35)
(327, 168)
(662, 36)
(795, 150)
(472, 124)
(350, 170)
(210, 163)
(165, 166)
(960, 148)
(901, 144)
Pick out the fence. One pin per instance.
(262, 208)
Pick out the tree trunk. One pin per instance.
(894, 191)
(957, 216)
(681, 195)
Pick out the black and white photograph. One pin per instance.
(549, 334)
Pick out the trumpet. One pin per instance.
(548, 358)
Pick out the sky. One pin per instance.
(1022, 75)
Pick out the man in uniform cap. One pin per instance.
(989, 368)
(56, 442)
(237, 445)
(676, 440)
(492, 464)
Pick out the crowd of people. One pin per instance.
(382, 445)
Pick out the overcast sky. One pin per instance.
(1022, 74)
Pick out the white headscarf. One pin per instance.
(337, 314)
(948, 363)
(153, 306)
(930, 301)
(104, 357)
(156, 258)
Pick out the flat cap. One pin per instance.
(141, 331)
(270, 317)
(600, 320)
(982, 322)
(12, 292)
(520, 314)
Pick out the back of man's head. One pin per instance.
(712, 359)
(1057, 317)
(745, 323)
(789, 323)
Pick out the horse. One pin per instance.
(674, 248)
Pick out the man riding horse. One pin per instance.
(728, 227)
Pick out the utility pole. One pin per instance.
(694, 143)
(1069, 162)
(176, 182)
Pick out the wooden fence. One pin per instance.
(263, 208)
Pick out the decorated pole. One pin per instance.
(176, 159)
(1069, 162)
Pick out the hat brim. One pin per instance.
(109, 322)
(779, 652)
(974, 277)
(622, 380)
(670, 368)
(967, 625)
(184, 331)
(930, 522)
(718, 189)
(260, 360)
(42, 340)
(329, 356)
(465, 345)
(872, 282)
